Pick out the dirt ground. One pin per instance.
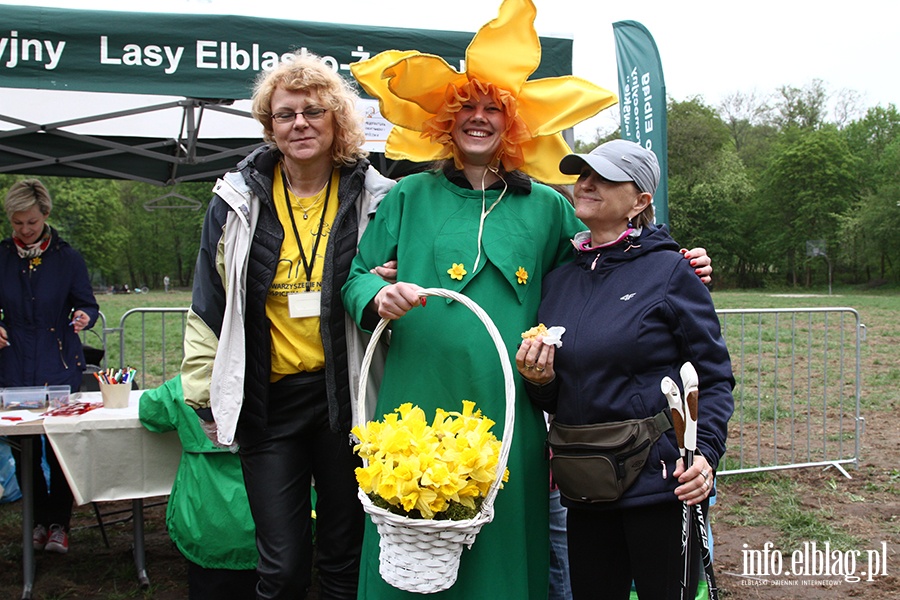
(867, 507)
(90, 569)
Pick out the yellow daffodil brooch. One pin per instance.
(457, 271)
(34, 263)
(421, 93)
(522, 276)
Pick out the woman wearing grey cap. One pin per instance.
(634, 313)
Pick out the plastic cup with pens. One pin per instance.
(115, 386)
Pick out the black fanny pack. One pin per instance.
(597, 463)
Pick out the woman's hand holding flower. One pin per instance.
(534, 361)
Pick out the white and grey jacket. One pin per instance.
(227, 342)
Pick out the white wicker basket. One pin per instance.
(422, 555)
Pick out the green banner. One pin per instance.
(199, 56)
(642, 101)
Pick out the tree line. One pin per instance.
(784, 187)
(123, 237)
(780, 188)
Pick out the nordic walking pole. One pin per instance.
(705, 556)
(677, 407)
(691, 396)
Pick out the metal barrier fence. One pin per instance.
(154, 347)
(797, 373)
(797, 392)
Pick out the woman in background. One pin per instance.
(46, 300)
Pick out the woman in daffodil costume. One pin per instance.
(478, 225)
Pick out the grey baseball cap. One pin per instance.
(617, 160)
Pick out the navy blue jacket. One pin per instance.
(634, 313)
(37, 302)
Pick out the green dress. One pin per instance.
(442, 354)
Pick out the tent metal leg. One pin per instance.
(27, 517)
(140, 562)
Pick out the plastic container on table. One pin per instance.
(47, 396)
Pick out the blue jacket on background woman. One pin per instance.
(37, 301)
(46, 300)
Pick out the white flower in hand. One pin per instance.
(553, 337)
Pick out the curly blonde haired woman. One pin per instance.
(266, 350)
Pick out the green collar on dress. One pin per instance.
(507, 243)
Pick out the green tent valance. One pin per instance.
(209, 60)
(196, 55)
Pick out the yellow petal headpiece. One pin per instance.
(420, 94)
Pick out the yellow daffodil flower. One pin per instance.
(457, 271)
(424, 469)
(522, 275)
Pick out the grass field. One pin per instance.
(879, 312)
(790, 508)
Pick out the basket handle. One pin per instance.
(508, 382)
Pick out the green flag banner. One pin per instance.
(199, 55)
(642, 101)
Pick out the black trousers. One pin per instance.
(53, 504)
(608, 549)
(278, 472)
(221, 584)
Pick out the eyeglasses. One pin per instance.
(310, 114)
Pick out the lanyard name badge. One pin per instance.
(306, 304)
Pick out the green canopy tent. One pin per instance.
(196, 73)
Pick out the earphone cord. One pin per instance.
(485, 213)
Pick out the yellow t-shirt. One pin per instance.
(297, 340)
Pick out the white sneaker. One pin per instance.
(39, 537)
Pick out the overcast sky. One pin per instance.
(708, 48)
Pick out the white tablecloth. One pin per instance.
(107, 454)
